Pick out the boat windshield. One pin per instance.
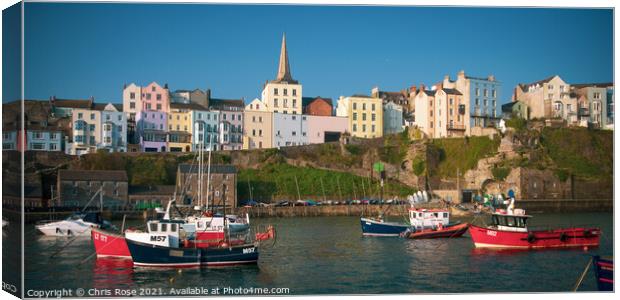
(509, 221)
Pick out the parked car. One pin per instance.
(282, 203)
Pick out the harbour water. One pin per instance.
(328, 255)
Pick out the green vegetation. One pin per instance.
(278, 181)
(500, 173)
(419, 166)
(462, 153)
(580, 151)
(395, 147)
(519, 124)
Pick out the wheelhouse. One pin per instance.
(510, 222)
(423, 218)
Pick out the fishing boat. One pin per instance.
(604, 272)
(166, 244)
(79, 224)
(509, 229)
(379, 227)
(110, 244)
(432, 223)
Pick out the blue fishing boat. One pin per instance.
(149, 255)
(604, 272)
(379, 227)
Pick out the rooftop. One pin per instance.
(92, 175)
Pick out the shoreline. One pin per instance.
(533, 206)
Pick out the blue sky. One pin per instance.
(82, 50)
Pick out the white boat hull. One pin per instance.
(63, 228)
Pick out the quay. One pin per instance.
(532, 206)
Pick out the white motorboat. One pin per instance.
(76, 225)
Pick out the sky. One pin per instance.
(78, 50)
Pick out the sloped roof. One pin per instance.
(601, 85)
(307, 100)
(92, 175)
(191, 106)
(429, 92)
(452, 91)
(73, 103)
(217, 169)
(151, 190)
(224, 103)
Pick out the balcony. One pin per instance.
(456, 127)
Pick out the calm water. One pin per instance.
(328, 255)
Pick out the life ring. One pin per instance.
(531, 238)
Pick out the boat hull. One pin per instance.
(109, 244)
(557, 238)
(61, 229)
(604, 272)
(376, 228)
(446, 232)
(145, 255)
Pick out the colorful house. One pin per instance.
(325, 129)
(104, 126)
(365, 115)
(392, 118)
(258, 126)
(317, 106)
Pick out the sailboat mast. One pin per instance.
(209, 173)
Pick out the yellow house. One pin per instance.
(180, 131)
(365, 115)
(258, 126)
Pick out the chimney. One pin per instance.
(208, 94)
(446, 78)
(491, 78)
(375, 92)
(165, 85)
(422, 87)
(462, 74)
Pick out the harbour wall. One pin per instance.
(531, 206)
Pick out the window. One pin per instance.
(92, 116)
(80, 115)
(550, 87)
(373, 128)
(354, 106)
(132, 95)
(153, 88)
(373, 106)
(148, 96)
(597, 95)
(164, 227)
(294, 92)
(285, 103)
(294, 102)
(364, 128)
(275, 102)
(294, 133)
(53, 146)
(132, 105)
(451, 100)
(52, 135)
(494, 93)
(275, 91)
(354, 116)
(285, 92)
(363, 106)
(355, 127)
(486, 92)
(477, 92)
(158, 96)
(364, 117)
(374, 117)
(158, 106)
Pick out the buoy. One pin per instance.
(585, 248)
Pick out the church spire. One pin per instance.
(284, 69)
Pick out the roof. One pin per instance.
(73, 103)
(224, 103)
(102, 106)
(429, 92)
(307, 100)
(525, 86)
(217, 169)
(508, 106)
(151, 190)
(601, 85)
(92, 175)
(452, 91)
(192, 106)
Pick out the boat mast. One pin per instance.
(209, 172)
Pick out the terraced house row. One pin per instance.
(153, 118)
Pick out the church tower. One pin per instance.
(284, 94)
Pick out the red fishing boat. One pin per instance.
(450, 231)
(108, 244)
(510, 230)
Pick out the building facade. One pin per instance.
(222, 189)
(592, 102)
(179, 130)
(152, 130)
(548, 98)
(425, 111)
(77, 187)
(325, 129)
(104, 126)
(230, 122)
(317, 106)
(392, 118)
(206, 126)
(289, 130)
(258, 126)
(365, 115)
(449, 113)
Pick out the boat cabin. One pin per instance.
(428, 218)
(159, 233)
(506, 222)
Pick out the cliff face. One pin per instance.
(541, 163)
